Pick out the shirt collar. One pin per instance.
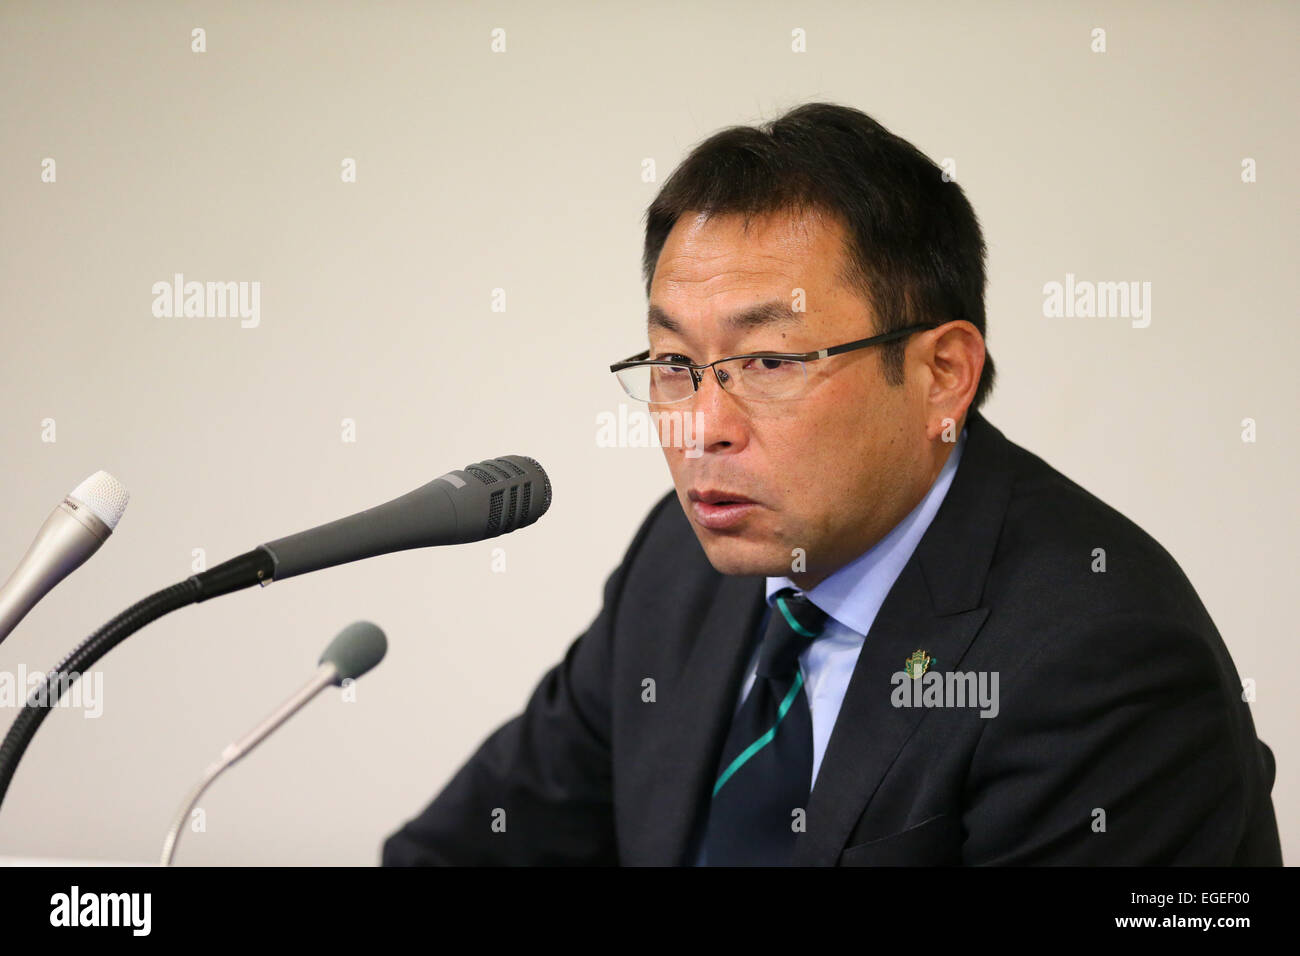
(854, 593)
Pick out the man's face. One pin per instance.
(829, 473)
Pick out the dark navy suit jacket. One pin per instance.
(1121, 735)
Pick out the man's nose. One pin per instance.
(720, 421)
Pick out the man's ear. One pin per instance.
(954, 354)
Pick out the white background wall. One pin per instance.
(522, 170)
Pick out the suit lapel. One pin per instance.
(700, 717)
(870, 731)
(934, 607)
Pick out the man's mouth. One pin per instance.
(720, 510)
(717, 496)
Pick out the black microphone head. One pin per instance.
(357, 648)
(482, 500)
(518, 491)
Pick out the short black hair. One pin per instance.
(916, 252)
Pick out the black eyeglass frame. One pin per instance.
(697, 371)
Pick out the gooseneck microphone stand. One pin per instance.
(253, 567)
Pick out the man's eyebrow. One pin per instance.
(774, 312)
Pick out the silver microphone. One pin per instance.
(71, 534)
(357, 648)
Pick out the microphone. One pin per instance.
(479, 501)
(483, 500)
(71, 534)
(356, 649)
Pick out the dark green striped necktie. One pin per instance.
(765, 772)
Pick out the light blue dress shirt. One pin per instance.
(852, 596)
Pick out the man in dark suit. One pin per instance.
(865, 628)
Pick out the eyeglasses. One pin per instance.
(761, 376)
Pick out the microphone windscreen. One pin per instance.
(105, 496)
(358, 647)
(546, 480)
